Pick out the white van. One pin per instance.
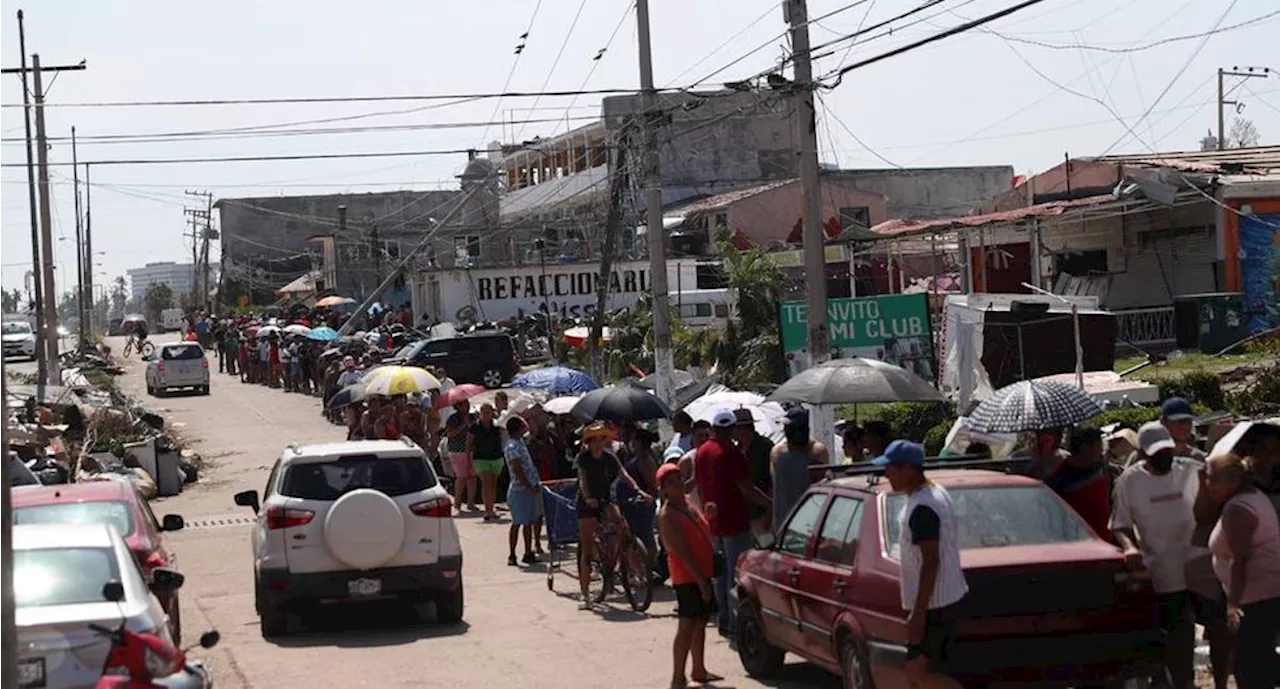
(172, 319)
(701, 308)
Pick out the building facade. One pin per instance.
(177, 276)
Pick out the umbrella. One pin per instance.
(767, 415)
(399, 380)
(334, 301)
(561, 405)
(324, 334)
(457, 394)
(620, 403)
(855, 381)
(1033, 405)
(347, 396)
(517, 400)
(267, 330)
(559, 380)
(297, 329)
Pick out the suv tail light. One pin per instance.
(440, 507)
(160, 366)
(151, 560)
(204, 364)
(283, 518)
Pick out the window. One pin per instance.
(330, 480)
(722, 310)
(999, 516)
(855, 216)
(270, 489)
(115, 513)
(838, 540)
(795, 537)
(710, 276)
(1082, 263)
(17, 328)
(62, 576)
(696, 310)
(466, 249)
(190, 352)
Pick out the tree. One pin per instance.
(12, 300)
(159, 297)
(749, 350)
(119, 295)
(1243, 134)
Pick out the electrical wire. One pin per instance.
(555, 63)
(1147, 46)
(514, 64)
(253, 159)
(595, 62)
(768, 11)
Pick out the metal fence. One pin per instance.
(1145, 327)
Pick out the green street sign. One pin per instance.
(893, 328)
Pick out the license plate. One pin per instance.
(364, 587)
(31, 673)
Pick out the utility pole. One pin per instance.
(204, 251)
(612, 229)
(1250, 72)
(49, 315)
(375, 248)
(200, 219)
(655, 233)
(83, 262)
(88, 253)
(42, 374)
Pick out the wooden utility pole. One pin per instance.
(88, 252)
(83, 261)
(608, 251)
(1249, 72)
(48, 315)
(200, 219)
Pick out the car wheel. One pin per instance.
(272, 621)
(449, 606)
(175, 621)
(204, 390)
(492, 378)
(759, 657)
(855, 671)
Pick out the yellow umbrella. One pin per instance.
(399, 380)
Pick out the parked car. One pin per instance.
(61, 575)
(178, 365)
(109, 502)
(172, 320)
(115, 327)
(19, 340)
(1048, 602)
(353, 522)
(486, 358)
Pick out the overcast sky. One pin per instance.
(975, 99)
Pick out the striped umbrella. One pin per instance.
(399, 380)
(1033, 405)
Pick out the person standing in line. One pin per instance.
(457, 439)
(682, 424)
(1043, 451)
(1246, 557)
(286, 364)
(1153, 520)
(231, 343)
(876, 436)
(790, 462)
(485, 449)
(1177, 415)
(524, 494)
(1081, 479)
(851, 444)
(686, 537)
(724, 484)
(757, 450)
(446, 383)
(931, 582)
(701, 434)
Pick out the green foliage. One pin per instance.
(914, 420)
(1133, 415)
(749, 351)
(11, 300)
(936, 436)
(1262, 396)
(1198, 387)
(159, 297)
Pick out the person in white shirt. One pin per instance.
(1153, 520)
(932, 580)
(446, 383)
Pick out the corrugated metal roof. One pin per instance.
(1255, 160)
(895, 227)
(721, 200)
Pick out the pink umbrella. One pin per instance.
(457, 394)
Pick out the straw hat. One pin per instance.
(596, 430)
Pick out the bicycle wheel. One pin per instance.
(635, 569)
(146, 349)
(128, 348)
(601, 583)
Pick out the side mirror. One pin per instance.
(210, 639)
(765, 541)
(113, 591)
(165, 580)
(248, 498)
(172, 522)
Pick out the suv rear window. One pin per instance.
(182, 353)
(999, 516)
(394, 476)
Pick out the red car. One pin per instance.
(1049, 602)
(113, 502)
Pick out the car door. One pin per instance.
(154, 535)
(779, 602)
(826, 578)
(435, 353)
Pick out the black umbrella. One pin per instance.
(620, 403)
(1033, 405)
(347, 396)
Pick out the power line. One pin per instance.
(257, 159)
(768, 11)
(555, 63)
(497, 107)
(1146, 46)
(595, 61)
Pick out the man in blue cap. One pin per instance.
(932, 581)
(1177, 415)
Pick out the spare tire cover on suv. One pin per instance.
(364, 529)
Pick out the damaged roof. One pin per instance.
(1257, 160)
(898, 226)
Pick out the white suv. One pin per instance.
(351, 522)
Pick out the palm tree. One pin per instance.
(749, 351)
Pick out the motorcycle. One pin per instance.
(141, 660)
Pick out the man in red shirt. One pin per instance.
(1081, 479)
(724, 484)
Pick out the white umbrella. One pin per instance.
(518, 399)
(268, 329)
(768, 416)
(560, 405)
(399, 380)
(297, 329)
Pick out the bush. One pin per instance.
(1133, 415)
(1198, 387)
(913, 420)
(1261, 397)
(936, 436)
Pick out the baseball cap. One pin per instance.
(666, 470)
(743, 416)
(1154, 437)
(673, 452)
(724, 419)
(901, 453)
(797, 417)
(1176, 409)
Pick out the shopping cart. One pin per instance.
(632, 562)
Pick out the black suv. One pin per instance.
(487, 358)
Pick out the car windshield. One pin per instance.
(115, 513)
(999, 516)
(62, 576)
(410, 350)
(182, 353)
(330, 480)
(17, 328)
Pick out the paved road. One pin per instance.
(516, 632)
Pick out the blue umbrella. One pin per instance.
(559, 380)
(324, 334)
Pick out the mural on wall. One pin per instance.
(1260, 269)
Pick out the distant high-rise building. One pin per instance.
(176, 275)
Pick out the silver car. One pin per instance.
(178, 365)
(60, 572)
(19, 340)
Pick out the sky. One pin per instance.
(1078, 77)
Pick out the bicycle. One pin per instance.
(143, 347)
(618, 548)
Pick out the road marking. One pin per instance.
(219, 521)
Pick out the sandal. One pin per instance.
(707, 678)
(511, 560)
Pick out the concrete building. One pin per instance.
(176, 275)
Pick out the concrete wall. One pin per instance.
(769, 216)
(922, 193)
